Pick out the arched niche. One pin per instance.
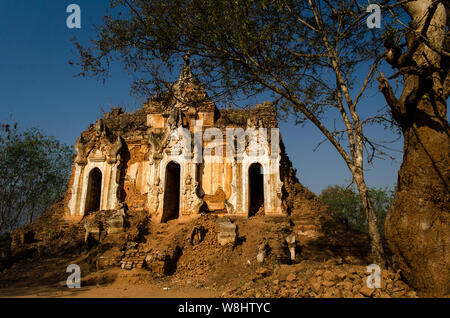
(94, 191)
(171, 206)
(255, 188)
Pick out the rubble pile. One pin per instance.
(321, 280)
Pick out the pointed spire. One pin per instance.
(187, 58)
(188, 91)
(186, 73)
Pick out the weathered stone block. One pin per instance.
(93, 231)
(226, 238)
(158, 263)
(227, 231)
(117, 222)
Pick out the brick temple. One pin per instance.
(178, 156)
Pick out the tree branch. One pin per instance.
(393, 102)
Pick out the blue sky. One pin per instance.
(38, 88)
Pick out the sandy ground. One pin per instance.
(115, 290)
(113, 283)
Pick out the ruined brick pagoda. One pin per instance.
(170, 159)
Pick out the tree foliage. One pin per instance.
(34, 170)
(344, 202)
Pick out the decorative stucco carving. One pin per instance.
(193, 202)
(81, 153)
(156, 193)
(114, 150)
(231, 201)
(159, 140)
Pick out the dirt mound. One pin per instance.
(209, 264)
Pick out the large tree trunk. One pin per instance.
(418, 224)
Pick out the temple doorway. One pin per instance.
(94, 191)
(171, 209)
(256, 189)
